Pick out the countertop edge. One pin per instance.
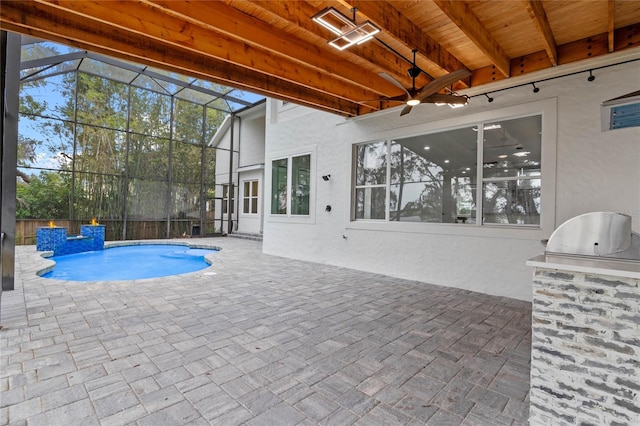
(598, 266)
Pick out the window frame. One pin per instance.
(225, 200)
(547, 109)
(250, 197)
(289, 216)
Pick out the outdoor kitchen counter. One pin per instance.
(589, 265)
(585, 346)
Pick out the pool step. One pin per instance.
(246, 236)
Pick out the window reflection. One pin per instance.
(512, 147)
(279, 186)
(434, 177)
(512, 202)
(370, 203)
(300, 185)
(371, 163)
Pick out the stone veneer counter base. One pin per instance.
(585, 357)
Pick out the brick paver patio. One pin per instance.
(259, 340)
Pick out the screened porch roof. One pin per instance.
(41, 59)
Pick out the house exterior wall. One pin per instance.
(248, 164)
(593, 171)
(251, 223)
(252, 131)
(223, 144)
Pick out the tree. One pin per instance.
(47, 196)
(117, 140)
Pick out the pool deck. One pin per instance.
(259, 340)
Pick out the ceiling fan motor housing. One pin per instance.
(414, 72)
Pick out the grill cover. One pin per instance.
(592, 234)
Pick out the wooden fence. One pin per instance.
(136, 229)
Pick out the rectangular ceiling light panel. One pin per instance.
(358, 35)
(334, 21)
(348, 32)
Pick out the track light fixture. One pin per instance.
(535, 89)
(591, 76)
(489, 98)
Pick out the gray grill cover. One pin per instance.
(592, 234)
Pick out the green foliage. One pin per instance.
(46, 197)
(114, 131)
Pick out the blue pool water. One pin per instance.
(129, 263)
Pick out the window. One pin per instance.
(225, 200)
(290, 185)
(511, 177)
(434, 177)
(250, 197)
(371, 180)
(279, 186)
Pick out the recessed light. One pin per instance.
(427, 148)
(521, 153)
(492, 126)
(446, 161)
(468, 168)
(506, 170)
(503, 156)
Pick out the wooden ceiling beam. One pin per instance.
(611, 27)
(43, 21)
(295, 16)
(578, 50)
(393, 22)
(151, 22)
(220, 17)
(539, 17)
(461, 15)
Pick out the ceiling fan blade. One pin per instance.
(394, 82)
(405, 110)
(445, 99)
(441, 82)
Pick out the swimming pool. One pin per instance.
(129, 262)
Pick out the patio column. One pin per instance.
(10, 88)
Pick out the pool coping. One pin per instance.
(50, 264)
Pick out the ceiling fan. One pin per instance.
(429, 92)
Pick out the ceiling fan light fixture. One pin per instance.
(357, 35)
(458, 105)
(413, 102)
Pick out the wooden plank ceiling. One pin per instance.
(274, 47)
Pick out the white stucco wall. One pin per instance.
(223, 143)
(252, 131)
(594, 171)
(251, 223)
(248, 163)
